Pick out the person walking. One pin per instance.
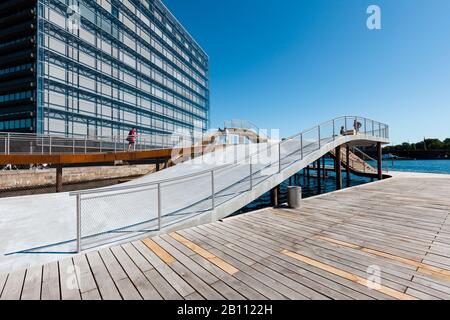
(357, 125)
(131, 138)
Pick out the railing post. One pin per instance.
(101, 144)
(85, 144)
(318, 134)
(213, 196)
(279, 157)
(373, 128)
(301, 144)
(73, 145)
(345, 123)
(78, 223)
(251, 174)
(9, 143)
(159, 207)
(334, 129)
(115, 144)
(365, 125)
(50, 145)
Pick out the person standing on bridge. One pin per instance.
(357, 125)
(131, 138)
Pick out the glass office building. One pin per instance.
(99, 68)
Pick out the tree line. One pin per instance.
(427, 144)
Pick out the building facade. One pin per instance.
(99, 68)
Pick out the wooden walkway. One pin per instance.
(336, 246)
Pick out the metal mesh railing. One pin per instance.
(109, 213)
(245, 125)
(23, 143)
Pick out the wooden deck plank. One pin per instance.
(140, 281)
(91, 295)
(14, 285)
(68, 280)
(3, 278)
(106, 286)
(114, 268)
(50, 289)
(177, 282)
(188, 263)
(120, 278)
(227, 267)
(127, 289)
(86, 282)
(161, 253)
(347, 275)
(163, 287)
(194, 296)
(32, 285)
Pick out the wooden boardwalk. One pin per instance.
(336, 246)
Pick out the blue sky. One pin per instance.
(290, 64)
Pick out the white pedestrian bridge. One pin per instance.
(204, 189)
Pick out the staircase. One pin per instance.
(357, 161)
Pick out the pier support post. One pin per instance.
(157, 165)
(337, 168)
(59, 178)
(324, 168)
(319, 179)
(274, 195)
(348, 162)
(380, 161)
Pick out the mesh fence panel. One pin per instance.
(111, 214)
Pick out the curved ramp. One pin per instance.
(204, 189)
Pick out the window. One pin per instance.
(16, 96)
(57, 125)
(56, 18)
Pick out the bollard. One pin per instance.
(294, 194)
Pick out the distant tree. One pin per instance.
(434, 144)
(447, 144)
(405, 146)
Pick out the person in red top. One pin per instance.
(131, 138)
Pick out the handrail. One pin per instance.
(32, 143)
(365, 155)
(199, 173)
(244, 124)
